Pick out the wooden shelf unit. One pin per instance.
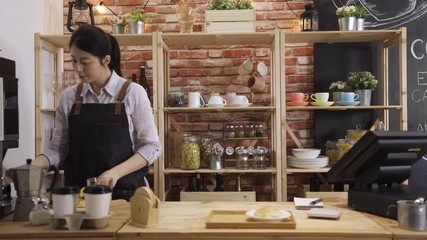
(170, 42)
(387, 39)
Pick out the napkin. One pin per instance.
(304, 203)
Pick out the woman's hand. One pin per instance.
(108, 178)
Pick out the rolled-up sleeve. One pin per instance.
(145, 136)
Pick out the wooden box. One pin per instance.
(245, 196)
(230, 21)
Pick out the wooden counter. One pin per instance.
(398, 233)
(186, 220)
(19, 230)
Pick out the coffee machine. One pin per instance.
(9, 127)
(28, 181)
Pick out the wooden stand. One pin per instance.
(144, 206)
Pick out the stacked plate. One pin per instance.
(308, 159)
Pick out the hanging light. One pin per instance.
(309, 19)
(79, 13)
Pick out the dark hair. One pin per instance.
(95, 41)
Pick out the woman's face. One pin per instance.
(88, 66)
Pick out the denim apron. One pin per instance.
(100, 140)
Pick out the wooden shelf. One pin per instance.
(220, 109)
(62, 41)
(269, 170)
(336, 108)
(290, 170)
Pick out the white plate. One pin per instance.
(320, 157)
(285, 215)
(320, 162)
(239, 105)
(354, 103)
(215, 105)
(309, 166)
(262, 69)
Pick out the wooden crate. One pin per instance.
(231, 21)
(246, 196)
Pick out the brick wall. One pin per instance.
(215, 70)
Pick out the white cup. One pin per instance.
(246, 67)
(229, 97)
(195, 99)
(65, 200)
(320, 96)
(97, 200)
(216, 99)
(240, 99)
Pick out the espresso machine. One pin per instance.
(28, 181)
(9, 128)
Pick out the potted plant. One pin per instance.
(230, 16)
(362, 83)
(118, 22)
(347, 18)
(214, 152)
(360, 13)
(186, 11)
(137, 19)
(336, 88)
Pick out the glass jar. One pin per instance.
(190, 153)
(240, 131)
(259, 130)
(344, 145)
(176, 99)
(332, 151)
(230, 131)
(250, 131)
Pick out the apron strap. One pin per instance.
(78, 99)
(118, 107)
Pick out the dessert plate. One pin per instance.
(354, 103)
(308, 166)
(214, 105)
(297, 103)
(285, 215)
(321, 103)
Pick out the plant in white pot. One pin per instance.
(137, 19)
(362, 83)
(230, 16)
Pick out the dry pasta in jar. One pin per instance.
(190, 158)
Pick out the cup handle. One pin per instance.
(313, 97)
(305, 97)
(389, 208)
(224, 101)
(202, 101)
(246, 99)
(356, 96)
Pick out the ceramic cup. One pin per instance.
(241, 99)
(320, 96)
(299, 97)
(246, 67)
(195, 99)
(65, 200)
(216, 99)
(229, 97)
(97, 200)
(349, 96)
(256, 84)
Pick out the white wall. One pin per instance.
(19, 20)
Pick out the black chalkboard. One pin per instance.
(384, 14)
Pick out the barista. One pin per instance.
(104, 126)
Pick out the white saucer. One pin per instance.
(308, 166)
(320, 157)
(285, 215)
(214, 105)
(354, 103)
(239, 105)
(321, 103)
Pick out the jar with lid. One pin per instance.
(332, 151)
(176, 99)
(260, 158)
(344, 145)
(240, 131)
(242, 161)
(250, 131)
(259, 130)
(190, 158)
(230, 132)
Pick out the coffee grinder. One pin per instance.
(28, 181)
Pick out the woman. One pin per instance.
(104, 126)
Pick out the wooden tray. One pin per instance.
(238, 219)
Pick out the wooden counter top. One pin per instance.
(398, 233)
(186, 220)
(13, 230)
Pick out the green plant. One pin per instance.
(360, 11)
(230, 5)
(138, 14)
(362, 80)
(346, 11)
(118, 20)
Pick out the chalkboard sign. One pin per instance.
(384, 14)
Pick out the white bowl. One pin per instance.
(306, 153)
